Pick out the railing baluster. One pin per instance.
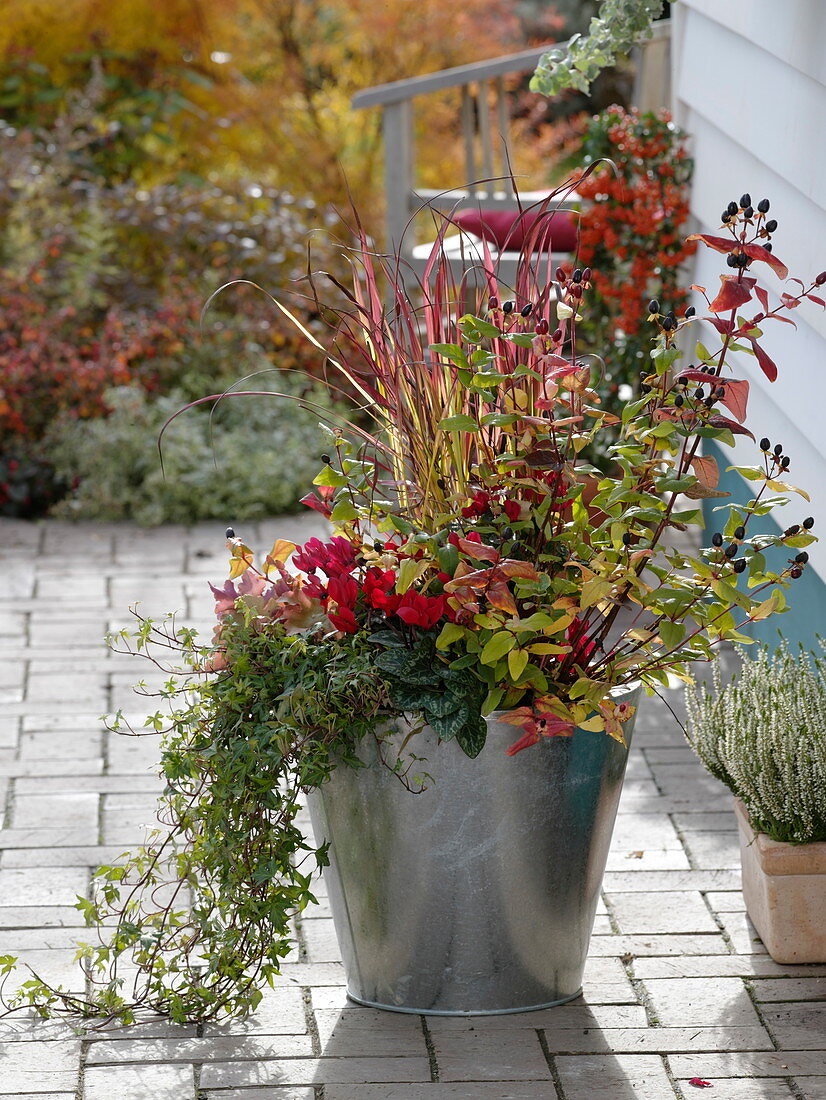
(502, 118)
(468, 136)
(484, 135)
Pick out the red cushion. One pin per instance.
(507, 229)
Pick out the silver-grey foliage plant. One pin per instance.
(620, 26)
(764, 735)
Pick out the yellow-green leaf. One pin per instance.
(784, 487)
(451, 632)
(496, 647)
(594, 590)
(517, 659)
(409, 572)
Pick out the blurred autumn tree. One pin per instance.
(238, 87)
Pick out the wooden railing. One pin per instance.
(485, 124)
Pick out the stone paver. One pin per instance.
(677, 987)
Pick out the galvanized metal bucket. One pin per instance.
(477, 895)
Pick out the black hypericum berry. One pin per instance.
(769, 246)
(526, 310)
(700, 394)
(230, 533)
(739, 532)
(716, 539)
(795, 572)
(682, 380)
(765, 444)
(645, 389)
(778, 450)
(720, 391)
(557, 336)
(576, 290)
(731, 550)
(784, 462)
(821, 279)
(808, 523)
(763, 206)
(493, 302)
(732, 208)
(561, 277)
(740, 565)
(542, 327)
(802, 557)
(745, 200)
(771, 226)
(795, 527)
(507, 307)
(725, 217)
(586, 275)
(748, 212)
(626, 538)
(577, 275)
(668, 324)
(690, 311)
(679, 400)
(378, 546)
(326, 460)
(732, 260)
(653, 306)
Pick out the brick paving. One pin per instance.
(678, 986)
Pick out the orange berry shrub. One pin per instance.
(634, 208)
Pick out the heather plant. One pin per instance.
(763, 734)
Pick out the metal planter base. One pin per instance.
(478, 895)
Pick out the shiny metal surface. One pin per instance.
(478, 895)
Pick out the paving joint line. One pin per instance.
(551, 1063)
(435, 1075)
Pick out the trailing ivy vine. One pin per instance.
(201, 914)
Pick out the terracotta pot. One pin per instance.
(784, 886)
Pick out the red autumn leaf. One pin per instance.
(736, 396)
(479, 551)
(719, 244)
(732, 425)
(724, 326)
(706, 470)
(699, 1083)
(758, 252)
(816, 300)
(789, 301)
(767, 365)
(501, 597)
(734, 292)
(762, 294)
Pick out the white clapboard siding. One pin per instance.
(750, 88)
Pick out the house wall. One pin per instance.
(749, 86)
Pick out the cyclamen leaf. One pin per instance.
(471, 738)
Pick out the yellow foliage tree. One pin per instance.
(252, 86)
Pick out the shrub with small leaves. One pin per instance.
(250, 460)
(764, 735)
